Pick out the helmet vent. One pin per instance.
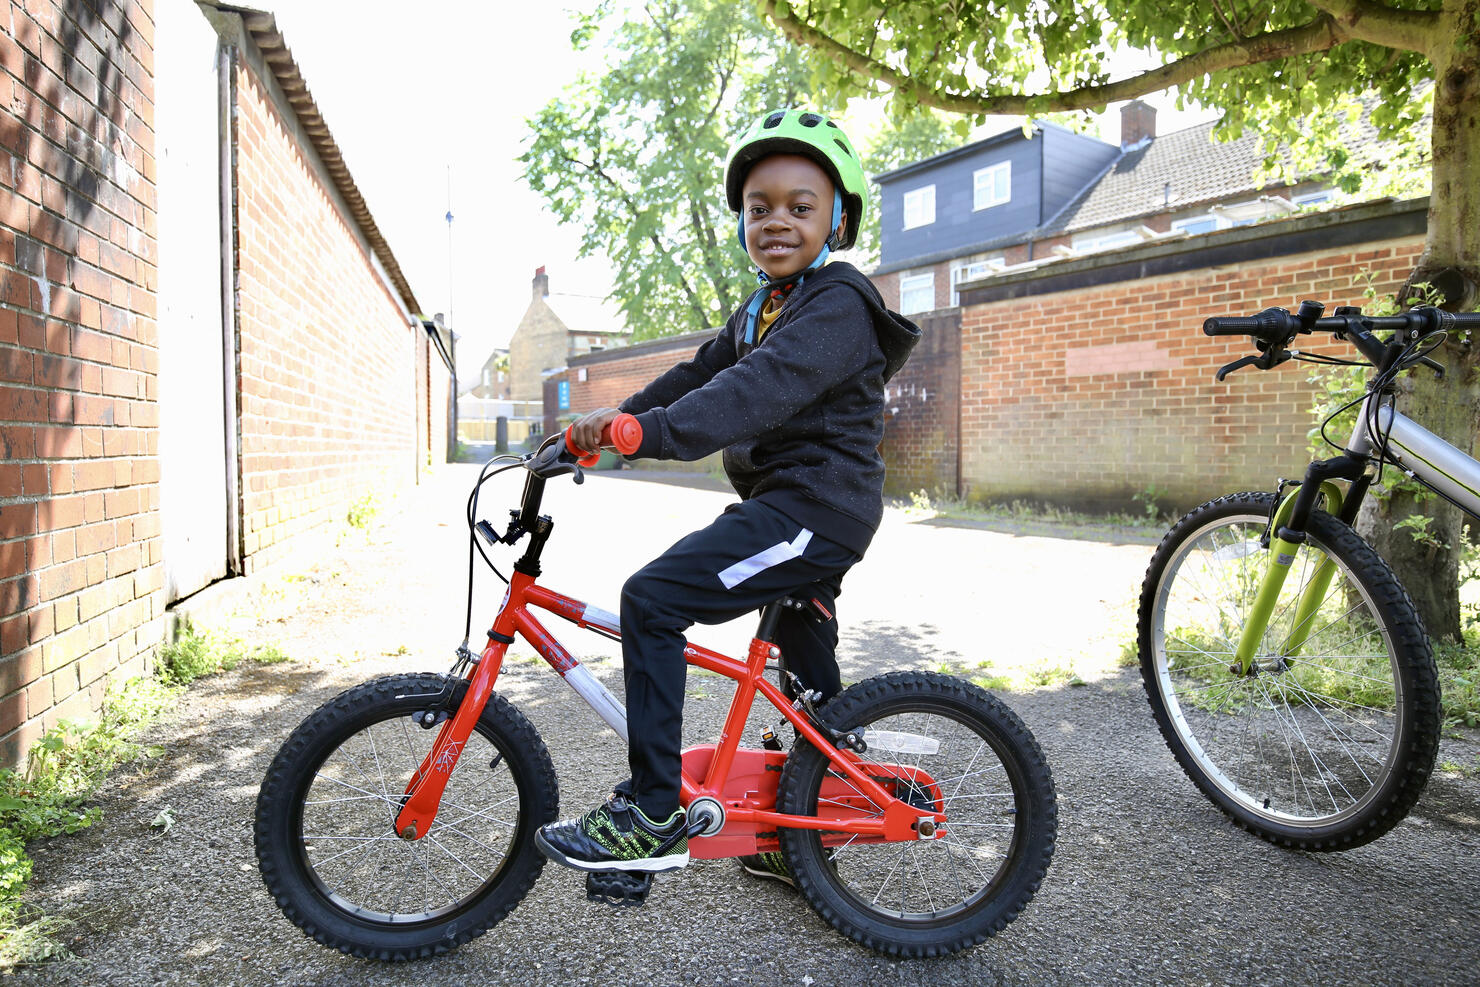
(846, 149)
(809, 119)
(774, 120)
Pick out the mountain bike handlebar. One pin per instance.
(1275, 328)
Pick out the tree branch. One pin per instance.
(1321, 34)
(1364, 20)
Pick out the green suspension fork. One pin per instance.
(1281, 554)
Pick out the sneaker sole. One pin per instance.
(762, 872)
(649, 865)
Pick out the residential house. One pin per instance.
(1013, 201)
(555, 328)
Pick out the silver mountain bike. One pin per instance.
(1285, 664)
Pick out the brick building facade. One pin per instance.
(1092, 381)
(324, 380)
(327, 415)
(82, 590)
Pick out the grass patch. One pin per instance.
(49, 798)
(1149, 520)
(993, 679)
(196, 653)
(363, 511)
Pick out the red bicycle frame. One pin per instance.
(743, 781)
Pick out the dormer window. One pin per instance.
(991, 186)
(919, 207)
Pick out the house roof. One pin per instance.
(1181, 169)
(262, 27)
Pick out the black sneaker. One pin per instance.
(771, 865)
(617, 836)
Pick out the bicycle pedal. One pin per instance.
(618, 888)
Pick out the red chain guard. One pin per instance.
(752, 785)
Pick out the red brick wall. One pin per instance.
(328, 383)
(614, 374)
(1110, 390)
(921, 411)
(81, 597)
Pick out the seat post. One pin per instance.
(770, 617)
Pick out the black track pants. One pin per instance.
(751, 555)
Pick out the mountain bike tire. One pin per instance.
(325, 821)
(937, 896)
(1326, 745)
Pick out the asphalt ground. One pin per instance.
(1149, 883)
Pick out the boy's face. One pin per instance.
(788, 202)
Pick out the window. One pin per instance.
(1314, 198)
(971, 269)
(1090, 242)
(991, 186)
(919, 207)
(916, 292)
(1194, 225)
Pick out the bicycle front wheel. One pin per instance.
(938, 743)
(1328, 740)
(325, 822)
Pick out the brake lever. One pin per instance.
(1267, 360)
(1434, 365)
(1239, 364)
(551, 460)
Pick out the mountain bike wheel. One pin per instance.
(945, 744)
(325, 822)
(1325, 745)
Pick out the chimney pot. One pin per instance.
(541, 283)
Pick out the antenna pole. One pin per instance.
(449, 245)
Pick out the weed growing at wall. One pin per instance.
(363, 511)
(195, 653)
(49, 798)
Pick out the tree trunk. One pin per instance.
(1451, 263)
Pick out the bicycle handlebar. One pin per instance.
(623, 433)
(1275, 328)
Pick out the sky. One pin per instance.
(431, 97)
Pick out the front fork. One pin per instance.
(1286, 533)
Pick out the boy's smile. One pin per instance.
(788, 203)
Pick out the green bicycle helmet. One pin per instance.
(811, 135)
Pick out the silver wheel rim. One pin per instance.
(934, 881)
(346, 834)
(1310, 739)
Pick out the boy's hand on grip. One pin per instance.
(585, 432)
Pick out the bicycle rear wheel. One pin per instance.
(325, 822)
(1326, 744)
(944, 744)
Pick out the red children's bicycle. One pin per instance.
(914, 810)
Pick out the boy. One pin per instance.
(792, 389)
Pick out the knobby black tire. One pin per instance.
(999, 834)
(350, 899)
(1327, 746)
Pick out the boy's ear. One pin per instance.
(839, 234)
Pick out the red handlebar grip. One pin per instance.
(624, 433)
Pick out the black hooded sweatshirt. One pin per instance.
(799, 416)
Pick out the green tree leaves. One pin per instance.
(634, 157)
